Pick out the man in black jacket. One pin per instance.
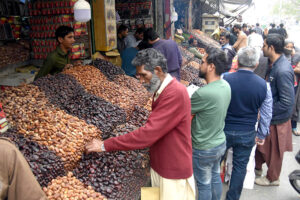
(282, 31)
(281, 78)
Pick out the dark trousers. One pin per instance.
(242, 143)
(294, 124)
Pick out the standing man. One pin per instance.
(281, 78)
(228, 49)
(133, 40)
(167, 131)
(282, 31)
(273, 29)
(250, 94)
(255, 40)
(122, 34)
(258, 30)
(57, 60)
(242, 38)
(245, 29)
(209, 105)
(169, 49)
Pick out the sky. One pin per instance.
(261, 12)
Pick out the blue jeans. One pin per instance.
(242, 143)
(206, 166)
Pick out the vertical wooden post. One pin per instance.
(190, 16)
(159, 17)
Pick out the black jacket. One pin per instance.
(281, 79)
(263, 66)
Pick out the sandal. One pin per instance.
(296, 132)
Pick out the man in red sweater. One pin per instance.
(167, 131)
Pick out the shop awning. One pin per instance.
(234, 8)
(237, 2)
(228, 8)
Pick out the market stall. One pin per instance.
(51, 125)
(27, 36)
(135, 13)
(46, 17)
(14, 40)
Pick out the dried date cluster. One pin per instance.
(117, 175)
(186, 54)
(44, 164)
(68, 187)
(204, 41)
(148, 106)
(200, 82)
(96, 83)
(123, 129)
(13, 53)
(108, 69)
(194, 64)
(189, 73)
(66, 93)
(139, 116)
(109, 173)
(28, 109)
(141, 94)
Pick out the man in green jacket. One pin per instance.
(58, 59)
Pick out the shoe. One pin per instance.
(263, 181)
(258, 172)
(296, 132)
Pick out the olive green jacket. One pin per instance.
(54, 63)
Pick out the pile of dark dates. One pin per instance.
(108, 69)
(66, 93)
(189, 73)
(45, 164)
(109, 173)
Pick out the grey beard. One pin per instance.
(154, 84)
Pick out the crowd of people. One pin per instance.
(250, 99)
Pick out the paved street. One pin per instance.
(285, 190)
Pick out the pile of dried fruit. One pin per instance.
(186, 54)
(117, 175)
(139, 116)
(66, 93)
(13, 53)
(109, 173)
(28, 109)
(96, 83)
(189, 73)
(141, 94)
(44, 164)
(60, 111)
(204, 41)
(194, 64)
(148, 106)
(200, 82)
(68, 187)
(108, 69)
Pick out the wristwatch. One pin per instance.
(103, 147)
